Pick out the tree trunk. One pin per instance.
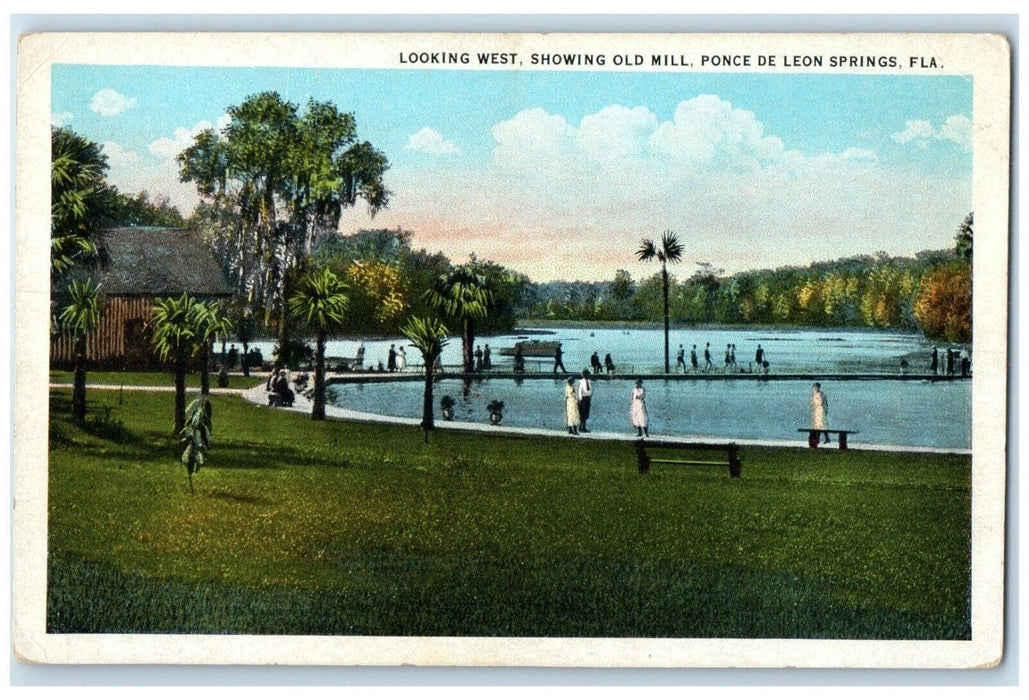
(180, 392)
(467, 346)
(78, 396)
(664, 279)
(427, 421)
(205, 369)
(318, 409)
(246, 360)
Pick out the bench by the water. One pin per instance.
(732, 455)
(813, 436)
(344, 364)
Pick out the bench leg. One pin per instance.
(642, 460)
(812, 439)
(843, 441)
(735, 466)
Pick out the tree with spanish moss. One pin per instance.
(273, 181)
(670, 251)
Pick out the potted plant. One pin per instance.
(446, 405)
(496, 411)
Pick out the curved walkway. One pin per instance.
(259, 395)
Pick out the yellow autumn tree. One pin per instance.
(944, 305)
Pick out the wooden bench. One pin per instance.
(732, 459)
(814, 434)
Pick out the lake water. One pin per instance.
(889, 412)
(642, 351)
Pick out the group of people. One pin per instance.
(608, 366)
(579, 401)
(730, 365)
(950, 363)
(280, 393)
(396, 359)
(483, 358)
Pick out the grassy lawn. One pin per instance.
(154, 379)
(299, 527)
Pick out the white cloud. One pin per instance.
(956, 128)
(108, 102)
(615, 132)
(61, 119)
(118, 157)
(430, 141)
(182, 138)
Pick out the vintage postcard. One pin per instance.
(628, 350)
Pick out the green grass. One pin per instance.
(302, 527)
(154, 379)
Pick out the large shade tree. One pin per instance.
(463, 295)
(429, 336)
(670, 251)
(79, 316)
(321, 303)
(274, 180)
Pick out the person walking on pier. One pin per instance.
(638, 409)
(759, 357)
(728, 359)
(950, 362)
(934, 361)
(819, 409)
(584, 393)
(693, 358)
(680, 360)
(571, 408)
(557, 359)
(708, 366)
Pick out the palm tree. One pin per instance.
(669, 252)
(80, 316)
(429, 335)
(81, 201)
(321, 302)
(463, 295)
(213, 325)
(178, 333)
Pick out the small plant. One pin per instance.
(496, 411)
(196, 436)
(446, 405)
(106, 426)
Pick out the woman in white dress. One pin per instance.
(819, 409)
(401, 359)
(571, 408)
(638, 409)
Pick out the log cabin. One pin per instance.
(144, 264)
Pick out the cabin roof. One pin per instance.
(161, 262)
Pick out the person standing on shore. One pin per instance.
(571, 408)
(638, 409)
(584, 394)
(819, 409)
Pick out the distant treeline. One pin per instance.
(930, 292)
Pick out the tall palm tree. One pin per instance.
(669, 252)
(80, 316)
(81, 202)
(463, 295)
(321, 302)
(178, 334)
(429, 335)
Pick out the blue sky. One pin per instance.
(560, 173)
